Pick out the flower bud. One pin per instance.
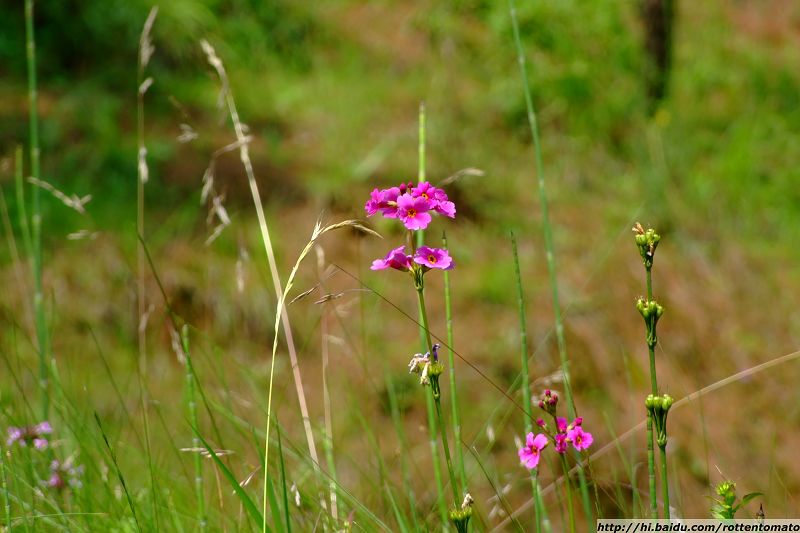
(540, 422)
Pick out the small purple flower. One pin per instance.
(34, 435)
(396, 259)
(531, 453)
(561, 443)
(413, 211)
(540, 422)
(433, 258)
(580, 439)
(561, 424)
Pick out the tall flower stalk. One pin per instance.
(657, 406)
(414, 206)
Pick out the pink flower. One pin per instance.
(561, 424)
(383, 200)
(436, 197)
(579, 438)
(396, 259)
(561, 443)
(433, 258)
(530, 454)
(413, 211)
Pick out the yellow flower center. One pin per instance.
(431, 258)
(412, 212)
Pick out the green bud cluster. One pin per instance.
(651, 311)
(460, 517)
(659, 406)
(647, 242)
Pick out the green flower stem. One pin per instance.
(568, 490)
(437, 399)
(651, 347)
(651, 467)
(664, 480)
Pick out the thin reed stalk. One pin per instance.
(42, 335)
(191, 406)
(540, 516)
(280, 312)
(549, 248)
(327, 437)
(244, 154)
(145, 52)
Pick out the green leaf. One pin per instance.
(746, 498)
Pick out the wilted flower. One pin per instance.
(34, 435)
(531, 453)
(561, 443)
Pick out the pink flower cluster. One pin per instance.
(411, 204)
(425, 256)
(565, 435)
(35, 435)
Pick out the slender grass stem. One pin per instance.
(6, 500)
(191, 405)
(145, 51)
(462, 473)
(42, 335)
(327, 438)
(549, 248)
(244, 154)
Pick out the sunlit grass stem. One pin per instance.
(454, 404)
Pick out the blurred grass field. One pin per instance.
(330, 93)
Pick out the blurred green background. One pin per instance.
(330, 92)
